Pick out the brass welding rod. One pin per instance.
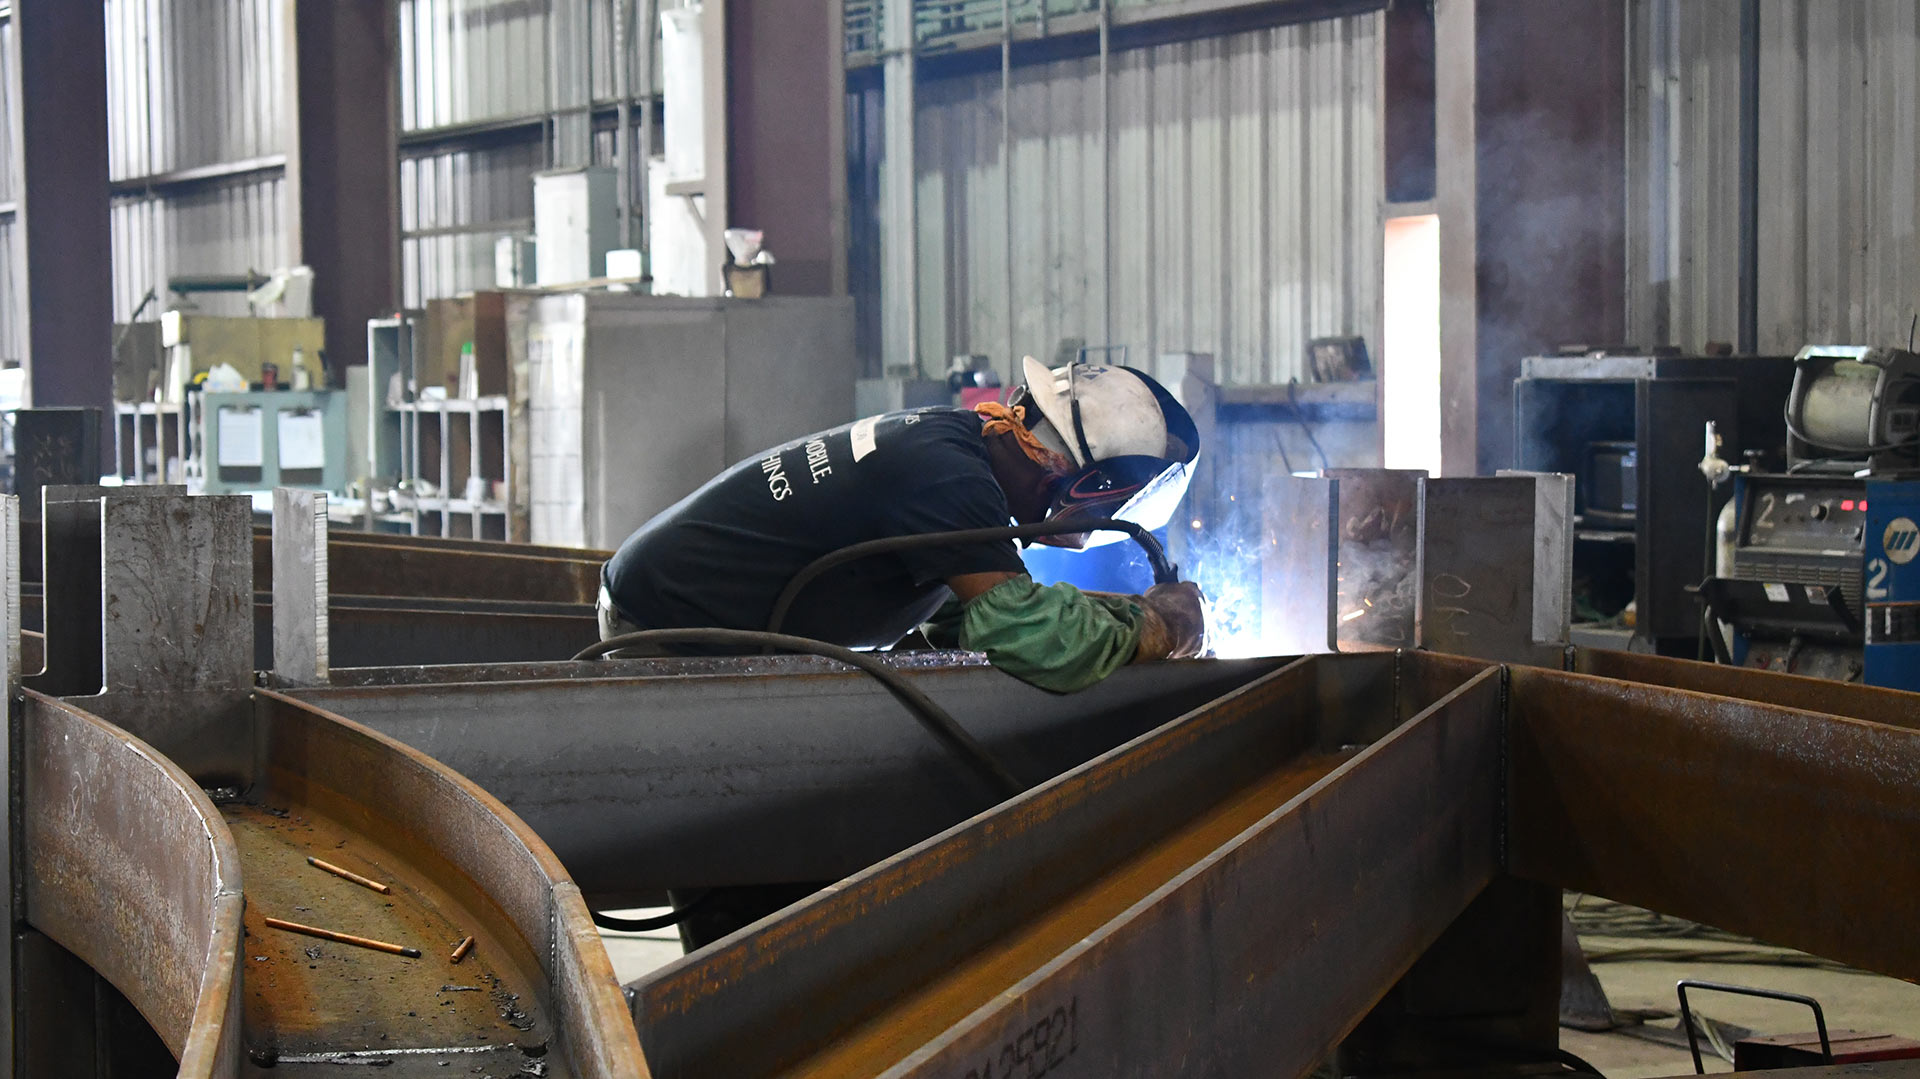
(461, 949)
(348, 874)
(344, 938)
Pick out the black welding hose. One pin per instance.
(935, 718)
(646, 925)
(1164, 572)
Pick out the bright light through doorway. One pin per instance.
(1410, 348)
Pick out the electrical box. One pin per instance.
(576, 221)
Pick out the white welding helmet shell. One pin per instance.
(1117, 414)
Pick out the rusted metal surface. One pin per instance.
(1888, 706)
(1790, 826)
(732, 779)
(459, 863)
(1226, 895)
(360, 564)
(129, 866)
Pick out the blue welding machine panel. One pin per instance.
(1893, 584)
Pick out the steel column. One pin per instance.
(343, 173)
(65, 255)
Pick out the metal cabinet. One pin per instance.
(1629, 428)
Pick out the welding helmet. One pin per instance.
(1132, 445)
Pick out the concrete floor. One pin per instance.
(1852, 1000)
(635, 954)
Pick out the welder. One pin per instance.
(1075, 443)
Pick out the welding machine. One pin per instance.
(1793, 589)
(1811, 577)
(1892, 581)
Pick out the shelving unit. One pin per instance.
(144, 427)
(459, 446)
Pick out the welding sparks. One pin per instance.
(1353, 614)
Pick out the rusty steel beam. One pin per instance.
(459, 863)
(1229, 895)
(129, 866)
(476, 570)
(1877, 705)
(1790, 826)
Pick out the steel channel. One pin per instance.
(1790, 826)
(480, 854)
(357, 567)
(1244, 952)
(1889, 706)
(687, 781)
(130, 867)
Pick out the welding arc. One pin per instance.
(935, 718)
(1164, 572)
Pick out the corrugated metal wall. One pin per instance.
(480, 70)
(194, 83)
(13, 346)
(1839, 148)
(1245, 184)
(467, 61)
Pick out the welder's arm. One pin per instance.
(1060, 638)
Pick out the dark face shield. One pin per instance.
(1142, 490)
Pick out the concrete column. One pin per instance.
(342, 169)
(65, 254)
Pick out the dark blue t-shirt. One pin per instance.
(722, 555)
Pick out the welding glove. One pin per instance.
(1173, 622)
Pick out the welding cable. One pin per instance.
(658, 921)
(1164, 572)
(933, 717)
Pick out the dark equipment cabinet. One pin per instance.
(1630, 428)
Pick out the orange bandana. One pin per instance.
(1002, 420)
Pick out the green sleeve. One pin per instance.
(1053, 636)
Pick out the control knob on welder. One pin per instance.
(1820, 511)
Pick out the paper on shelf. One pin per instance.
(240, 438)
(303, 440)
